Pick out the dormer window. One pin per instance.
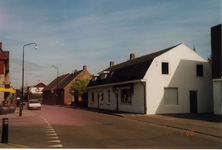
(104, 74)
(94, 77)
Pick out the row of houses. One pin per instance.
(172, 80)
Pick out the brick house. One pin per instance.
(4, 75)
(61, 95)
(173, 80)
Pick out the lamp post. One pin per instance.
(21, 107)
(57, 80)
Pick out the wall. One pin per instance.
(47, 97)
(137, 105)
(182, 75)
(67, 95)
(217, 86)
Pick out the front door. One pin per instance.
(193, 101)
(117, 100)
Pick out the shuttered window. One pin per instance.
(170, 96)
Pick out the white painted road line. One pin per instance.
(49, 129)
(59, 145)
(56, 141)
(53, 137)
(51, 134)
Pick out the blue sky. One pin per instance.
(73, 33)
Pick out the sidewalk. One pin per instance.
(25, 113)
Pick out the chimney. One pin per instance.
(111, 63)
(84, 67)
(132, 56)
(0, 45)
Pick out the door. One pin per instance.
(193, 101)
(117, 100)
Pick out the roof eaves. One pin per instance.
(77, 74)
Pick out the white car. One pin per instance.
(33, 104)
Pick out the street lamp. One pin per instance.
(21, 107)
(57, 80)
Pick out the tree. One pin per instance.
(79, 88)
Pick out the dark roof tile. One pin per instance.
(53, 84)
(130, 70)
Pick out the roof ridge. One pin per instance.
(133, 61)
(72, 75)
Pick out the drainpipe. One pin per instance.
(144, 87)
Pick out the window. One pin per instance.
(170, 96)
(93, 97)
(126, 96)
(108, 94)
(101, 96)
(165, 68)
(199, 69)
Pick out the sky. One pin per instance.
(73, 33)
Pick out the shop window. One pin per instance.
(126, 96)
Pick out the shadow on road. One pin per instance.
(210, 117)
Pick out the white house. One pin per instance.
(37, 89)
(174, 80)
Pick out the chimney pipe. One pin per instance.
(84, 67)
(111, 63)
(0, 45)
(132, 56)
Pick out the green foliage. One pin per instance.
(79, 87)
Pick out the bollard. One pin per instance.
(5, 130)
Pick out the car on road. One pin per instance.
(34, 104)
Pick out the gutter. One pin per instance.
(144, 86)
(103, 85)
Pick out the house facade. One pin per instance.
(216, 52)
(5, 89)
(60, 95)
(173, 80)
(37, 89)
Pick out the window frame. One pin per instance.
(163, 71)
(92, 97)
(198, 73)
(108, 96)
(168, 102)
(121, 96)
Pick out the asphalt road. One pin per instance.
(60, 127)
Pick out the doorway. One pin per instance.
(117, 100)
(193, 101)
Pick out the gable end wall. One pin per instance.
(182, 75)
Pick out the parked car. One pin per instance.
(34, 104)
